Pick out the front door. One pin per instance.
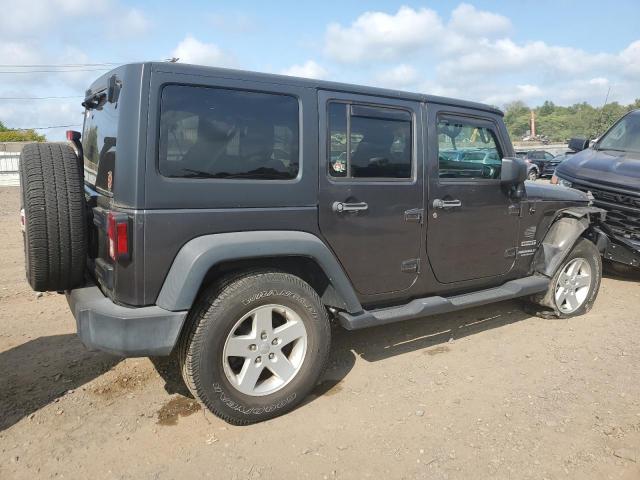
(472, 219)
(371, 188)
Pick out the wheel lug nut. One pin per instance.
(258, 359)
(263, 335)
(252, 346)
(272, 356)
(274, 341)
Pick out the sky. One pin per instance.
(493, 52)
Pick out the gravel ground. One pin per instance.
(486, 393)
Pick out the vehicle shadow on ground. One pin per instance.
(379, 343)
(35, 373)
(169, 369)
(382, 342)
(623, 273)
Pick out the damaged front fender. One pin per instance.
(571, 224)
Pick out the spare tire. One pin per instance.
(55, 221)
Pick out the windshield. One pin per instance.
(624, 136)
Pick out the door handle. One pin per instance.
(340, 207)
(438, 203)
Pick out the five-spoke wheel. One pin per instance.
(265, 349)
(572, 285)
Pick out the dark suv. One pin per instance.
(610, 171)
(227, 216)
(537, 162)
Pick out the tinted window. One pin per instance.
(99, 144)
(220, 133)
(624, 136)
(369, 142)
(547, 156)
(467, 150)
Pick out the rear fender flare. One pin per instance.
(198, 256)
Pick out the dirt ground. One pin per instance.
(487, 393)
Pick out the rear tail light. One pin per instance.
(118, 233)
(73, 136)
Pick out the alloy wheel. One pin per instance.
(265, 350)
(572, 286)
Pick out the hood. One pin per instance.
(545, 191)
(602, 167)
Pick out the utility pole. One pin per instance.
(532, 124)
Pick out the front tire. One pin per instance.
(575, 285)
(255, 346)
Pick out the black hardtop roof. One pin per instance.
(182, 68)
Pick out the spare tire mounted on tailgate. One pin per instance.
(55, 228)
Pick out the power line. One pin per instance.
(56, 71)
(39, 98)
(45, 128)
(55, 65)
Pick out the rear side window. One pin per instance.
(222, 133)
(369, 142)
(467, 150)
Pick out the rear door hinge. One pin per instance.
(414, 215)
(411, 266)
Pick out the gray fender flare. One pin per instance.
(197, 257)
(562, 236)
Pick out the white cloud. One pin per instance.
(630, 58)
(401, 76)
(191, 50)
(379, 35)
(132, 24)
(309, 69)
(29, 18)
(468, 20)
(524, 92)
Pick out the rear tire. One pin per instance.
(532, 175)
(55, 225)
(255, 346)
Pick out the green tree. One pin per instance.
(516, 117)
(11, 135)
(561, 123)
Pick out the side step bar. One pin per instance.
(423, 307)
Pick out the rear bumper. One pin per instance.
(128, 332)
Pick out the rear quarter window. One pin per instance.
(228, 134)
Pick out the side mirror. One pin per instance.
(513, 171)
(578, 144)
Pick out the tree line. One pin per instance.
(12, 135)
(559, 124)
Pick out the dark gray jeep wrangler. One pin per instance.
(228, 216)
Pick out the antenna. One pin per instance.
(606, 99)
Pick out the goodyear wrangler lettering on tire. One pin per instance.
(264, 294)
(255, 345)
(251, 410)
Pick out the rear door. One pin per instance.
(371, 188)
(473, 222)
